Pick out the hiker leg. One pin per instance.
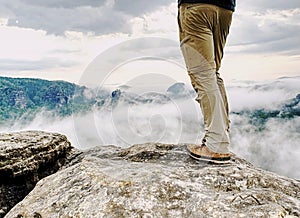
(197, 44)
(220, 34)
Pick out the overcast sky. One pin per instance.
(58, 39)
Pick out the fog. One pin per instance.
(276, 147)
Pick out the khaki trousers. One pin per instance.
(203, 30)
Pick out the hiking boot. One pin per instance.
(201, 152)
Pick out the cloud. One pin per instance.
(263, 27)
(7, 65)
(162, 21)
(266, 27)
(262, 95)
(57, 20)
(139, 7)
(274, 148)
(264, 5)
(64, 3)
(58, 16)
(262, 44)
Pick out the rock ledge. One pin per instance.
(25, 158)
(158, 180)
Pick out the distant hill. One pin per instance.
(26, 96)
(259, 117)
(22, 98)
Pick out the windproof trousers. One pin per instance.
(203, 29)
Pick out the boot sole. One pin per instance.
(214, 160)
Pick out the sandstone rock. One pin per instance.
(25, 158)
(158, 180)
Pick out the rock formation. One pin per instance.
(25, 158)
(158, 180)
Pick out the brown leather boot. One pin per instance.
(201, 152)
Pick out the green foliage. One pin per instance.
(22, 98)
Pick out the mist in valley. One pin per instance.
(260, 130)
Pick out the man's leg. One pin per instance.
(220, 34)
(197, 43)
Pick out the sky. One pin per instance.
(60, 39)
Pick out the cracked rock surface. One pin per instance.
(159, 180)
(25, 158)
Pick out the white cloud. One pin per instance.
(160, 22)
(262, 44)
(264, 5)
(26, 52)
(58, 16)
(262, 95)
(257, 66)
(266, 32)
(274, 148)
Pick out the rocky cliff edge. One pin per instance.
(158, 180)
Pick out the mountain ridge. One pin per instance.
(22, 98)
